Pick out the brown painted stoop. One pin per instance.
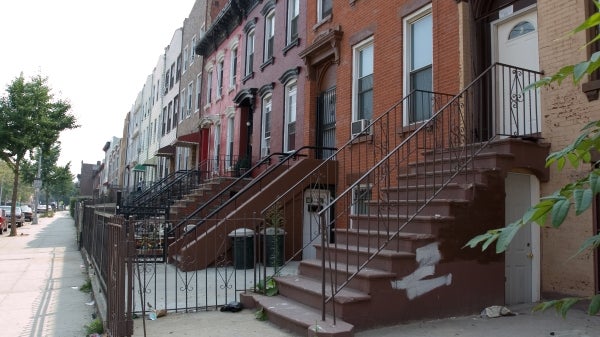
(202, 250)
(423, 272)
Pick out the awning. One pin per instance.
(188, 140)
(166, 151)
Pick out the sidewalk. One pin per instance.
(41, 271)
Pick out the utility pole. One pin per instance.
(37, 184)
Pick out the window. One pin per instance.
(289, 140)
(185, 58)
(220, 78)
(167, 75)
(189, 99)
(249, 52)
(209, 86)
(164, 121)
(520, 29)
(182, 105)
(175, 111)
(230, 133)
(178, 73)
(233, 68)
(324, 9)
(292, 24)
(198, 91)
(216, 147)
(169, 116)
(172, 77)
(192, 52)
(363, 80)
(361, 195)
(265, 146)
(269, 35)
(418, 62)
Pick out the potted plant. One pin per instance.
(273, 236)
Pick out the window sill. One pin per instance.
(324, 20)
(267, 63)
(364, 138)
(247, 77)
(591, 89)
(294, 43)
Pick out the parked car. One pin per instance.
(3, 222)
(27, 212)
(41, 208)
(18, 215)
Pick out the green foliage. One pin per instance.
(268, 288)
(86, 287)
(30, 118)
(95, 326)
(260, 314)
(563, 305)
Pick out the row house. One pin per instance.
(188, 135)
(414, 136)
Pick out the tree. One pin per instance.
(578, 194)
(30, 118)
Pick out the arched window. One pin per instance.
(520, 29)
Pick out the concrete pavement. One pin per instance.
(40, 273)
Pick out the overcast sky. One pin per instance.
(96, 54)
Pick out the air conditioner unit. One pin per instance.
(359, 127)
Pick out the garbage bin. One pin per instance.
(273, 241)
(243, 248)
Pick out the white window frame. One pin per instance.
(266, 126)
(269, 49)
(189, 100)
(192, 51)
(250, 50)
(185, 59)
(198, 90)
(407, 27)
(320, 14)
(216, 146)
(233, 67)
(359, 199)
(293, 13)
(209, 86)
(229, 141)
(220, 66)
(291, 108)
(356, 53)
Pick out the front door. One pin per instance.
(516, 37)
(522, 255)
(326, 123)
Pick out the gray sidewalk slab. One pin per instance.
(40, 273)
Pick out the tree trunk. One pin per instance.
(13, 204)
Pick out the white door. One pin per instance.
(314, 201)
(522, 256)
(516, 39)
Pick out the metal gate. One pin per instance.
(326, 120)
(119, 278)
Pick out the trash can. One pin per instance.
(274, 246)
(243, 248)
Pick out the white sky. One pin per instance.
(96, 54)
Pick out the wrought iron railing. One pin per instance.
(420, 159)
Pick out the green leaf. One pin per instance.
(565, 304)
(560, 211)
(591, 242)
(583, 200)
(544, 306)
(506, 236)
(476, 240)
(580, 70)
(594, 305)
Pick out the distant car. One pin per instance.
(18, 215)
(27, 212)
(41, 208)
(3, 222)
